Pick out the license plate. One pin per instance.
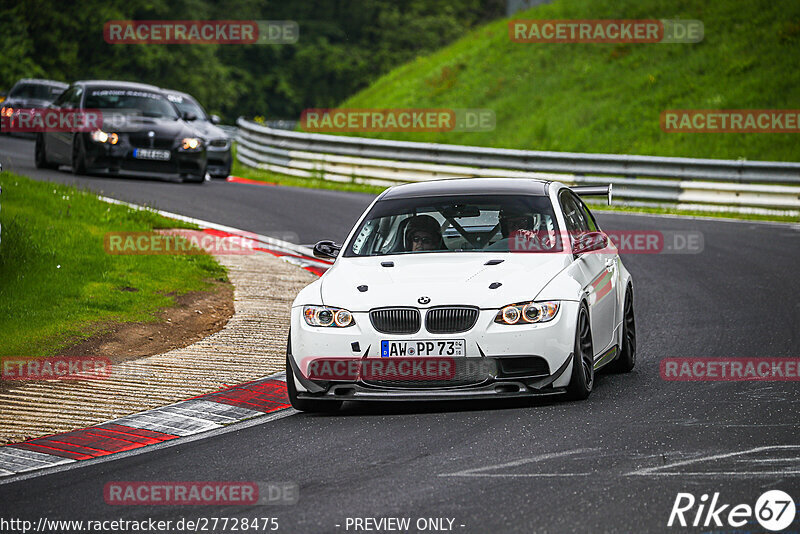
(432, 347)
(149, 153)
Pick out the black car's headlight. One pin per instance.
(327, 316)
(527, 313)
(191, 143)
(99, 136)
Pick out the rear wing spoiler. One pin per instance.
(593, 190)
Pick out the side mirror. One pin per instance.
(215, 119)
(189, 116)
(590, 242)
(326, 249)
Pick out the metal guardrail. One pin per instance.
(708, 184)
(230, 131)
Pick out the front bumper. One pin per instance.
(487, 341)
(119, 157)
(492, 387)
(219, 161)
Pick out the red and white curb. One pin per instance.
(186, 418)
(197, 415)
(248, 181)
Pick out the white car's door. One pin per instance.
(600, 273)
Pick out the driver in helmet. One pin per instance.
(522, 229)
(423, 233)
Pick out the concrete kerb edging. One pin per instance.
(58, 464)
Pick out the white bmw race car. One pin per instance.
(463, 289)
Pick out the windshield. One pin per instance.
(187, 105)
(465, 223)
(149, 104)
(35, 90)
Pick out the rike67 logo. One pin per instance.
(774, 511)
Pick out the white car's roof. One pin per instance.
(468, 186)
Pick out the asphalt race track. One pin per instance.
(604, 465)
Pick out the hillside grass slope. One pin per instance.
(607, 98)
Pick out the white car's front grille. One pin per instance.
(395, 320)
(450, 319)
(439, 320)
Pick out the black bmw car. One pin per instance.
(30, 93)
(218, 144)
(141, 130)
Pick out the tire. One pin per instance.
(305, 405)
(40, 156)
(627, 356)
(78, 156)
(582, 380)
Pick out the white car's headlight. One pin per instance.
(527, 313)
(327, 316)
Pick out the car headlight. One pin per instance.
(100, 136)
(527, 313)
(190, 143)
(7, 111)
(327, 316)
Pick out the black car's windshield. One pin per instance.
(35, 90)
(187, 105)
(465, 223)
(147, 103)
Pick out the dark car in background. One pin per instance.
(30, 93)
(218, 144)
(153, 137)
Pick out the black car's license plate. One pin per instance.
(430, 347)
(150, 153)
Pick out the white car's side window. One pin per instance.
(573, 216)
